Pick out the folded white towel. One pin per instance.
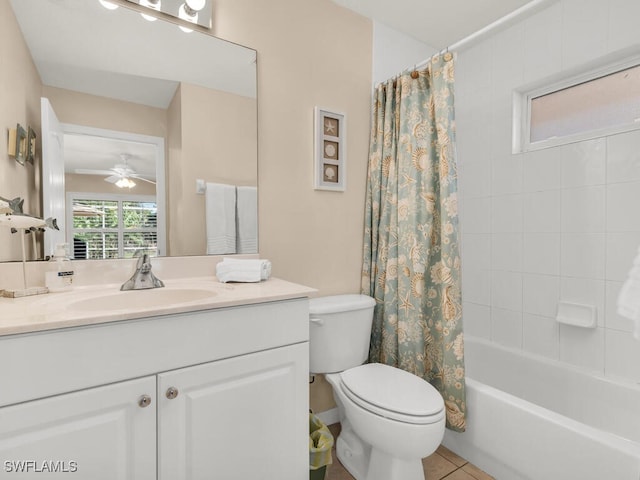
(243, 270)
(629, 297)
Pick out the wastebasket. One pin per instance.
(320, 444)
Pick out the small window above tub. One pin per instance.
(589, 105)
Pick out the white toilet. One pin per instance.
(390, 418)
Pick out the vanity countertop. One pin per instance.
(96, 304)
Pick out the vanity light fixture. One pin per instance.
(125, 182)
(108, 5)
(153, 5)
(188, 11)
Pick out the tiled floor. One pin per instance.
(443, 464)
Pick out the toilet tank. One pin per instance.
(339, 332)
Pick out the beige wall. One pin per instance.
(20, 89)
(310, 53)
(218, 143)
(101, 112)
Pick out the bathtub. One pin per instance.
(535, 419)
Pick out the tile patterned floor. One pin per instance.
(442, 465)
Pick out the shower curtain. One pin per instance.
(411, 243)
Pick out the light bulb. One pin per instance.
(153, 5)
(196, 5)
(108, 5)
(185, 13)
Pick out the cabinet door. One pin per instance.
(100, 433)
(236, 419)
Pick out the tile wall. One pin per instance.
(561, 223)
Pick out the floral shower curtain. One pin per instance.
(411, 242)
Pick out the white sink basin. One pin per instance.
(141, 299)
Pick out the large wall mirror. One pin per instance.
(134, 112)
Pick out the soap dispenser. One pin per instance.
(59, 277)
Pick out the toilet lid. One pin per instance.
(393, 393)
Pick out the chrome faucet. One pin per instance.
(143, 277)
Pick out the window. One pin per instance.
(590, 105)
(112, 226)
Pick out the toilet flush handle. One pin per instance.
(316, 321)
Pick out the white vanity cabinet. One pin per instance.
(215, 394)
(235, 419)
(100, 433)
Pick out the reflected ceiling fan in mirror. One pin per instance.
(121, 174)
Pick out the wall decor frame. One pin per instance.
(330, 144)
(18, 144)
(31, 145)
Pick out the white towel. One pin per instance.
(220, 214)
(247, 212)
(629, 297)
(243, 270)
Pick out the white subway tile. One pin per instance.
(506, 327)
(541, 211)
(506, 251)
(541, 170)
(506, 214)
(623, 24)
(476, 286)
(540, 335)
(623, 200)
(474, 179)
(506, 174)
(584, 31)
(582, 347)
(477, 215)
(583, 255)
(506, 290)
(540, 294)
(622, 358)
(583, 209)
(612, 320)
(584, 163)
(541, 253)
(476, 251)
(542, 37)
(622, 249)
(476, 320)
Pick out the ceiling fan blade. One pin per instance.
(137, 177)
(112, 178)
(86, 171)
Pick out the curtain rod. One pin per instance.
(526, 9)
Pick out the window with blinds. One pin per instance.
(113, 227)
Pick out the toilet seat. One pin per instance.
(393, 393)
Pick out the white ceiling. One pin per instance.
(437, 23)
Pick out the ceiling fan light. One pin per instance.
(125, 182)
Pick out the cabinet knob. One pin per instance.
(172, 392)
(144, 401)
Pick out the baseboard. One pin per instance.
(329, 417)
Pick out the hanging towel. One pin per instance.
(629, 297)
(243, 270)
(220, 214)
(247, 212)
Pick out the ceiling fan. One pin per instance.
(121, 174)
